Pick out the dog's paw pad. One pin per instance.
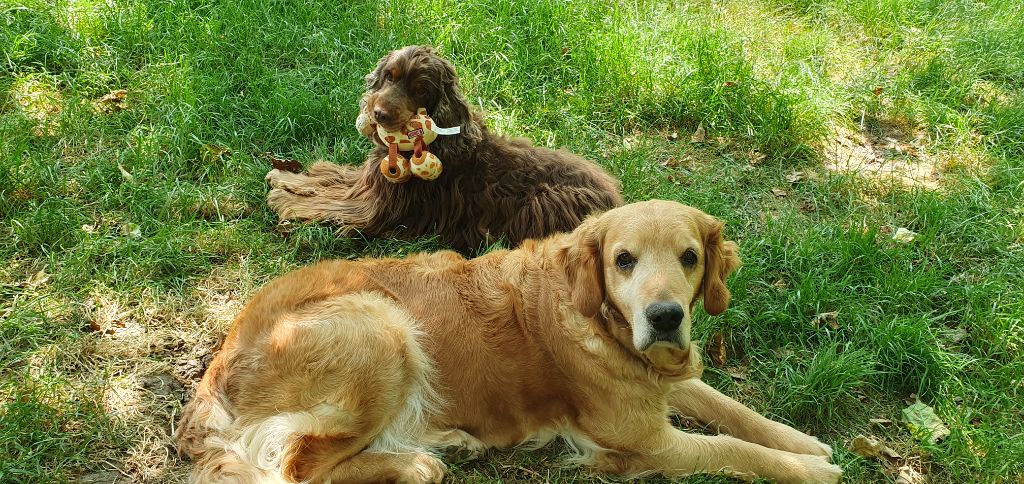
(458, 454)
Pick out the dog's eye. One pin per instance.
(689, 258)
(625, 260)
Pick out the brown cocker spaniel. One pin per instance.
(491, 187)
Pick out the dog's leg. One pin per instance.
(371, 467)
(455, 444)
(675, 453)
(694, 398)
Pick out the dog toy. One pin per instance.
(418, 132)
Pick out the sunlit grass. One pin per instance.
(132, 234)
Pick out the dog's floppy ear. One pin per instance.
(720, 259)
(450, 108)
(580, 258)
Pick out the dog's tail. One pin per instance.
(205, 431)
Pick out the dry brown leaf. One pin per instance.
(871, 448)
(881, 422)
(213, 153)
(909, 475)
(283, 164)
(38, 279)
(904, 235)
(778, 192)
(729, 83)
(111, 102)
(795, 177)
(673, 137)
(700, 135)
(715, 350)
(738, 375)
(124, 173)
(830, 318)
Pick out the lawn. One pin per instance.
(135, 134)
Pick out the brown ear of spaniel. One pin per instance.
(492, 187)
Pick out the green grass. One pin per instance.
(131, 237)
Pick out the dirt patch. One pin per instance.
(884, 151)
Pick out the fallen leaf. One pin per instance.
(213, 153)
(284, 228)
(756, 157)
(878, 91)
(715, 350)
(794, 177)
(111, 102)
(124, 173)
(904, 235)
(908, 475)
(738, 375)
(699, 135)
(976, 422)
(673, 137)
(131, 230)
(778, 192)
(807, 206)
(830, 318)
(729, 83)
(38, 279)
(924, 423)
(89, 229)
(881, 422)
(283, 164)
(871, 448)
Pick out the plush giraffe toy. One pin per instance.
(417, 134)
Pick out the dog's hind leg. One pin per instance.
(356, 362)
(372, 467)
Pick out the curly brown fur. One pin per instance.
(492, 187)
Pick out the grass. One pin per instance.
(134, 231)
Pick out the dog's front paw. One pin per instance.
(816, 470)
(802, 443)
(783, 437)
(425, 469)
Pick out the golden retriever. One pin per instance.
(355, 371)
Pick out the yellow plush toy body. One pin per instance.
(414, 137)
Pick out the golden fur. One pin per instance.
(355, 371)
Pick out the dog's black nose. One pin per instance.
(380, 115)
(664, 316)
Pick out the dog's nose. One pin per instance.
(664, 316)
(380, 115)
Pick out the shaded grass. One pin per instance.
(148, 221)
